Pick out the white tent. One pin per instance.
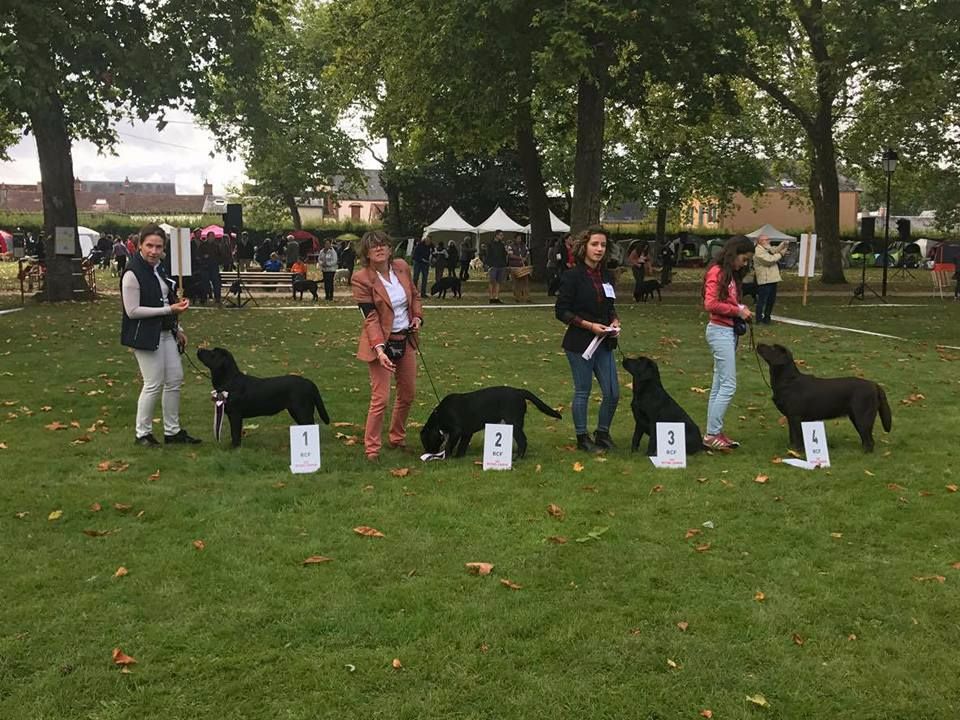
(88, 239)
(771, 232)
(556, 225)
(168, 229)
(499, 220)
(450, 221)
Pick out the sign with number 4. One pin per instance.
(304, 448)
(671, 446)
(497, 447)
(815, 443)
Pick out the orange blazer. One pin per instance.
(368, 290)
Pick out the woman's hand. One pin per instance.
(385, 362)
(181, 340)
(178, 308)
(415, 325)
(615, 323)
(745, 313)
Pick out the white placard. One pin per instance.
(64, 241)
(304, 448)
(671, 446)
(815, 443)
(497, 447)
(180, 258)
(807, 264)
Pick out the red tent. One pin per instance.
(303, 237)
(6, 241)
(215, 229)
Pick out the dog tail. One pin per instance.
(541, 405)
(885, 417)
(318, 401)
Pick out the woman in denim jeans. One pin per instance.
(585, 303)
(721, 298)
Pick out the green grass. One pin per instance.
(243, 630)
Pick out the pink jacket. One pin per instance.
(722, 312)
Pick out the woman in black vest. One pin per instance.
(150, 327)
(585, 303)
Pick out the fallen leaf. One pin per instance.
(924, 578)
(122, 507)
(672, 664)
(683, 625)
(75, 424)
(759, 596)
(45, 408)
(955, 566)
(797, 639)
(706, 714)
(761, 479)
(199, 544)
(782, 422)
(479, 568)
(21, 515)
(836, 535)
(96, 507)
(555, 511)
(316, 560)
(368, 531)
(400, 472)
(484, 647)
(510, 584)
(951, 488)
(97, 533)
(690, 533)
(343, 424)
(894, 486)
(794, 453)
(698, 390)
(279, 485)
(758, 699)
(557, 539)
(396, 664)
(851, 637)
(702, 548)
(656, 489)
(578, 467)
(55, 515)
(121, 572)
(537, 468)
(81, 440)
(154, 476)
(56, 425)
(776, 460)
(868, 473)
(119, 658)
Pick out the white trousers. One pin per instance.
(162, 373)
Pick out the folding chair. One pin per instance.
(941, 275)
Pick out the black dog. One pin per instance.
(803, 398)
(647, 289)
(249, 396)
(459, 415)
(652, 404)
(441, 286)
(299, 286)
(749, 288)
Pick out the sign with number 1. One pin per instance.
(304, 448)
(671, 445)
(815, 443)
(497, 447)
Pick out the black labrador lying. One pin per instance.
(459, 415)
(803, 398)
(249, 396)
(301, 286)
(652, 404)
(445, 284)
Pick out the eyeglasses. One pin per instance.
(376, 245)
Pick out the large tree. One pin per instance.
(69, 71)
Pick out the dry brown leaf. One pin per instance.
(951, 488)
(121, 572)
(761, 479)
(691, 532)
(759, 596)
(479, 568)
(683, 625)
(758, 699)
(510, 584)
(851, 637)
(122, 507)
(396, 664)
(56, 425)
(75, 424)
(578, 467)
(22, 514)
(672, 664)
(96, 507)
(538, 468)
(894, 486)
(368, 531)
(797, 639)
(836, 535)
(400, 472)
(81, 440)
(656, 489)
(154, 475)
(868, 473)
(279, 485)
(955, 566)
(793, 453)
(55, 515)
(199, 544)
(702, 548)
(120, 658)
(557, 539)
(343, 424)
(45, 408)
(556, 511)
(706, 714)
(484, 647)
(316, 560)
(924, 578)
(776, 460)
(97, 533)
(698, 390)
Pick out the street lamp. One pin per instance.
(889, 165)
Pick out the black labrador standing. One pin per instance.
(804, 398)
(647, 289)
(249, 396)
(447, 284)
(459, 415)
(300, 286)
(652, 404)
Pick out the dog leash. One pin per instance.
(753, 347)
(416, 346)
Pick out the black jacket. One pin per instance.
(496, 254)
(577, 298)
(145, 334)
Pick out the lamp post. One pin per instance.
(889, 165)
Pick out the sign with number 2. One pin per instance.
(497, 447)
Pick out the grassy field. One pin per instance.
(857, 613)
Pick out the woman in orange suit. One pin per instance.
(392, 312)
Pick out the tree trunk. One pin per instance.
(537, 206)
(291, 202)
(825, 194)
(588, 161)
(64, 278)
(661, 224)
(392, 187)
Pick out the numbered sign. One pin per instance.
(64, 240)
(671, 445)
(180, 259)
(304, 448)
(807, 263)
(815, 443)
(497, 447)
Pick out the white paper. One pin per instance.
(597, 339)
(427, 457)
(304, 448)
(815, 443)
(803, 464)
(64, 240)
(609, 291)
(180, 258)
(808, 244)
(497, 447)
(671, 445)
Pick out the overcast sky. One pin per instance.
(180, 154)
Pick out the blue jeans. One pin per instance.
(766, 297)
(604, 366)
(723, 343)
(421, 274)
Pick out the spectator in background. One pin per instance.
(439, 260)
(453, 258)
(273, 264)
(518, 260)
(245, 251)
(293, 251)
(327, 261)
(466, 256)
(120, 254)
(299, 270)
(348, 259)
(421, 264)
(263, 252)
(210, 262)
(105, 246)
(131, 245)
(767, 269)
(497, 259)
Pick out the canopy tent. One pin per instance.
(215, 229)
(771, 233)
(499, 220)
(556, 225)
(715, 247)
(449, 226)
(88, 240)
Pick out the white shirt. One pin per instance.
(130, 292)
(398, 299)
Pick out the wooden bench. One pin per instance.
(258, 280)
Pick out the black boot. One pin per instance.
(584, 442)
(603, 440)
